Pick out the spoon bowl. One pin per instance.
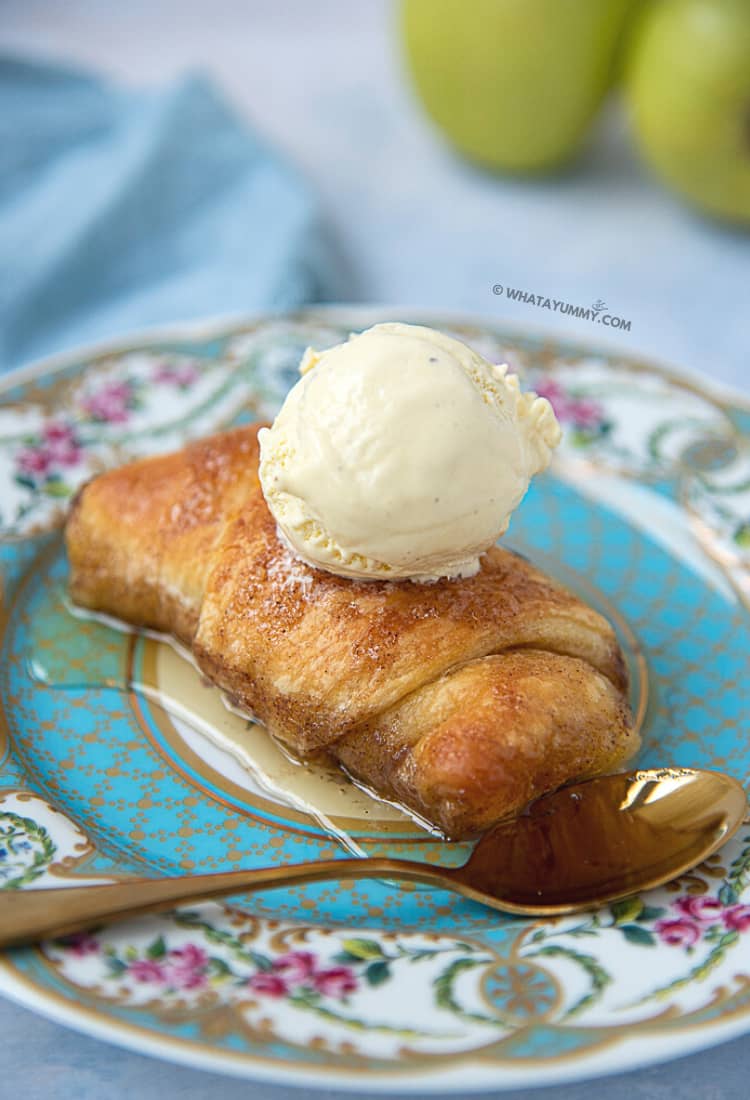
(580, 848)
(587, 845)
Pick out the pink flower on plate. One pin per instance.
(33, 461)
(295, 967)
(189, 955)
(57, 432)
(176, 374)
(186, 967)
(147, 970)
(702, 910)
(57, 447)
(336, 982)
(111, 403)
(737, 917)
(81, 943)
(585, 414)
(61, 444)
(270, 985)
(678, 933)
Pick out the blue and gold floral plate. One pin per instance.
(117, 761)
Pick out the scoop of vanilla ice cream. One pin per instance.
(401, 454)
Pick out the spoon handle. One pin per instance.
(30, 915)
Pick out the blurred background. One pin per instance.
(348, 95)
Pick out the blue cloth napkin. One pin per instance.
(121, 209)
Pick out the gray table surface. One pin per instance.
(414, 227)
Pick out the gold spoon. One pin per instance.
(580, 848)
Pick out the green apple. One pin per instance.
(513, 83)
(688, 85)
(629, 29)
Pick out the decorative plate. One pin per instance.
(117, 761)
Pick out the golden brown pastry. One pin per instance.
(463, 699)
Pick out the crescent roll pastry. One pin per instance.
(463, 699)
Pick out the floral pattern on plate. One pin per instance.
(39, 845)
(433, 994)
(631, 421)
